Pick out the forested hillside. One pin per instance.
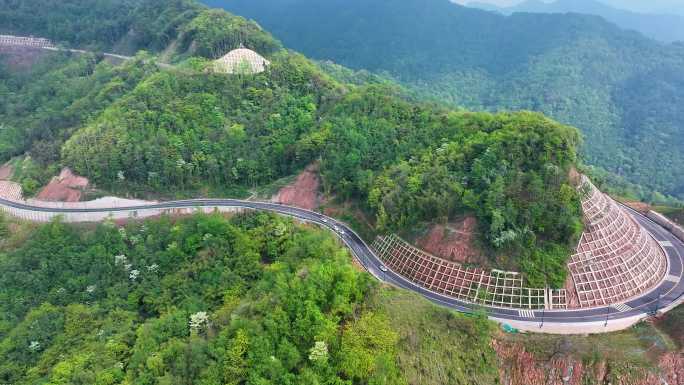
(100, 24)
(127, 26)
(620, 88)
(206, 300)
(254, 298)
(144, 130)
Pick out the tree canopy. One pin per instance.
(252, 300)
(617, 86)
(142, 129)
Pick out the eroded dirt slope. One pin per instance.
(304, 192)
(66, 187)
(453, 241)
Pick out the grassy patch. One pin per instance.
(672, 324)
(674, 213)
(14, 232)
(438, 346)
(630, 349)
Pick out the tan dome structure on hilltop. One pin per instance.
(241, 61)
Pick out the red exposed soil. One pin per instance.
(520, 367)
(6, 171)
(453, 242)
(303, 192)
(67, 187)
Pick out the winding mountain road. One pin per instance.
(667, 294)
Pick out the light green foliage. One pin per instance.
(436, 345)
(271, 291)
(319, 352)
(366, 344)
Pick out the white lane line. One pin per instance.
(622, 307)
(672, 278)
(665, 243)
(526, 313)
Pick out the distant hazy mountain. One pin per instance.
(666, 28)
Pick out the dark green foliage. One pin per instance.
(116, 304)
(659, 26)
(63, 92)
(130, 25)
(100, 24)
(185, 131)
(215, 32)
(138, 129)
(620, 88)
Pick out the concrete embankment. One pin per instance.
(662, 220)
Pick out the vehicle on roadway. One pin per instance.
(383, 268)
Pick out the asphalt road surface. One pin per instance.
(667, 292)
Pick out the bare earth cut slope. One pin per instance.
(67, 187)
(303, 192)
(453, 241)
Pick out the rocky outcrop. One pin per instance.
(518, 366)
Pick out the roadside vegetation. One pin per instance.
(252, 299)
(138, 129)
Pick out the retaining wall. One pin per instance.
(116, 215)
(616, 258)
(571, 328)
(22, 41)
(662, 220)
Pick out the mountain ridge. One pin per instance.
(662, 27)
(578, 69)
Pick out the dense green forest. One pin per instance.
(102, 24)
(253, 299)
(142, 129)
(126, 26)
(620, 88)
